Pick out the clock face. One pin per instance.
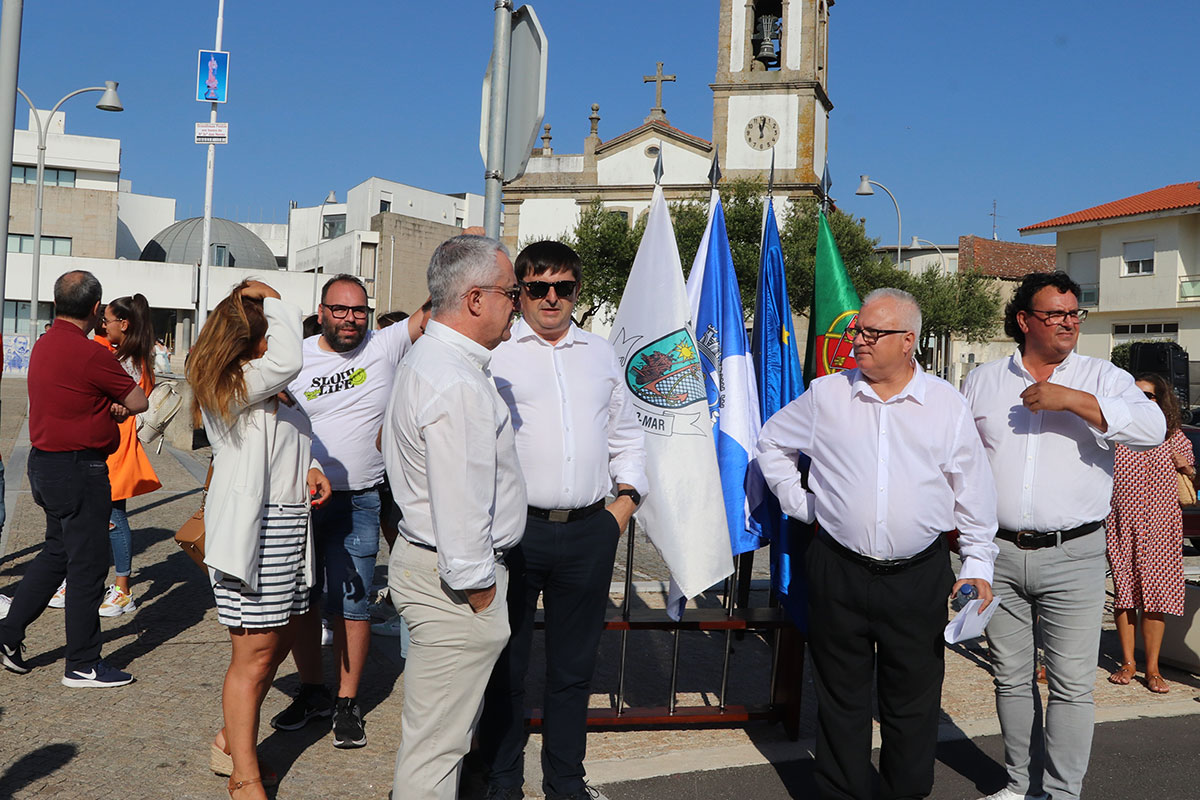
(762, 132)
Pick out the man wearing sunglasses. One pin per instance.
(578, 441)
(896, 463)
(1048, 417)
(344, 387)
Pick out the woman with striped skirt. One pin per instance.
(258, 542)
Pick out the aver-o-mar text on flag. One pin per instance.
(834, 309)
(683, 513)
(716, 306)
(777, 365)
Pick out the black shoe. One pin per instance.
(13, 659)
(348, 728)
(495, 792)
(585, 793)
(313, 702)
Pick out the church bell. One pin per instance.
(765, 36)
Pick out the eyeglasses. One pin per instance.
(112, 321)
(1076, 316)
(513, 292)
(1150, 395)
(340, 312)
(539, 289)
(869, 335)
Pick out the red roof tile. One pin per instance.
(1004, 259)
(1178, 195)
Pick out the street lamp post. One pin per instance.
(864, 188)
(916, 244)
(109, 101)
(942, 348)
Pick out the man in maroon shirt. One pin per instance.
(77, 393)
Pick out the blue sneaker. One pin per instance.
(12, 658)
(100, 676)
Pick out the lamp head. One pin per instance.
(915, 241)
(864, 185)
(109, 101)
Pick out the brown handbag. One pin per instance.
(190, 536)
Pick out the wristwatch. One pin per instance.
(632, 494)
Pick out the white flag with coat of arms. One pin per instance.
(684, 512)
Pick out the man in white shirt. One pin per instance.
(452, 464)
(1048, 418)
(344, 387)
(578, 441)
(896, 463)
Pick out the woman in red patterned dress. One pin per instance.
(1145, 537)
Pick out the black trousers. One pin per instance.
(570, 564)
(73, 489)
(890, 624)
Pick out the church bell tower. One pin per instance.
(770, 91)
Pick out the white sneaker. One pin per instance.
(326, 634)
(5, 602)
(1009, 794)
(60, 597)
(116, 602)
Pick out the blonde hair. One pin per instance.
(227, 341)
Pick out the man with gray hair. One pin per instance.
(896, 463)
(451, 459)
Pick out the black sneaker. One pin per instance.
(348, 728)
(313, 702)
(100, 676)
(13, 658)
(495, 792)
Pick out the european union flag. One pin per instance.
(728, 376)
(780, 381)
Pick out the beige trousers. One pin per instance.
(450, 658)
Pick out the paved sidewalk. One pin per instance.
(151, 739)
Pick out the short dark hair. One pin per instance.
(547, 256)
(1022, 299)
(342, 278)
(76, 294)
(391, 318)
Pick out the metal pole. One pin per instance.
(493, 175)
(36, 262)
(674, 672)
(10, 52)
(206, 239)
(625, 605)
(899, 229)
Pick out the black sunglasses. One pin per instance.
(539, 289)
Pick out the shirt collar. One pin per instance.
(476, 353)
(521, 331)
(1017, 363)
(915, 388)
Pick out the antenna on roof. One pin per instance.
(995, 217)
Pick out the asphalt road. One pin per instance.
(1131, 760)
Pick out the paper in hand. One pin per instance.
(969, 623)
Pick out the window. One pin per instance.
(458, 222)
(51, 177)
(333, 226)
(1140, 331)
(385, 206)
(51, 245)
(1139, 258)
(220, 255)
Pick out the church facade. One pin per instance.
(769, 99)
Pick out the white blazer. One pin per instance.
(260, 457)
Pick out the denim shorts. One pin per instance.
(346, 533)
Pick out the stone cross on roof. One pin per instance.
(658, 112)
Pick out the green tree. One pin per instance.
(962, 305)
(606, 244)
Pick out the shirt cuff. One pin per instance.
(460, 574)
(975, 568)
(1116, 416)
(796, 501)
(637, 480)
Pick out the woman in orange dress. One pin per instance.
(1145, 537)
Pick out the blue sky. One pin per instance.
(1046, 108)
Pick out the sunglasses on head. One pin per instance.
(539, 289)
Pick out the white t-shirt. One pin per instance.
(345, 395)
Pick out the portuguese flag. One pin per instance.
(835, 307)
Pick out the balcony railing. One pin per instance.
(1091, 295)
(1189, 288)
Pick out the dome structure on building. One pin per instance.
(233, 245)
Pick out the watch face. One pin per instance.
(762, 132)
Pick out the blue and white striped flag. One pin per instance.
(716, 307)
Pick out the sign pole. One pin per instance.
(497, 115)
(206, 241)
(10, 49)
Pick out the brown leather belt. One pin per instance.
(1037, 540)
(565, 514)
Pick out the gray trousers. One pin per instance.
(1061, 589)
(450, 656)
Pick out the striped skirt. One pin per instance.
(283, 590)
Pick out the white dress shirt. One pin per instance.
(577, 434)
(887, 477)
(1053, 470)
(451, 459)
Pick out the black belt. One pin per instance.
(498, 553)
(1035, 540)
(566, 514)
(877, 566)
(367, 490)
